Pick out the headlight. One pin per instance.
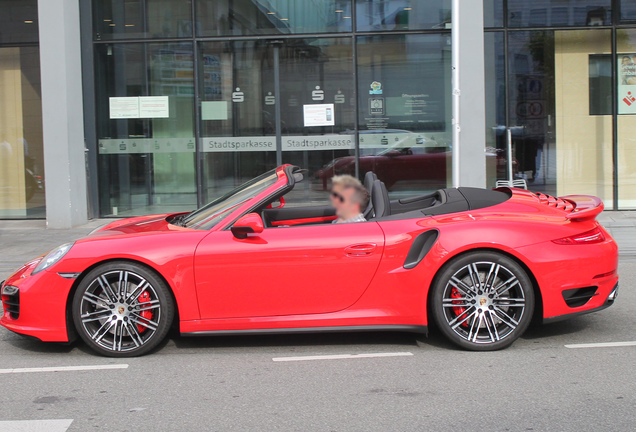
(52, 257)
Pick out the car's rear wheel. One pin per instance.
(122, 309)
(482, 301)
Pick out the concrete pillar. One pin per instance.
(62, 113)
(469, 94)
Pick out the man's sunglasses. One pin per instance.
(337, 196)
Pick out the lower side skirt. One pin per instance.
(300, 330)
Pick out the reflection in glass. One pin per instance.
(372, 15)
(545, 13)
(316, 73)
(493, 13)
(119, 19)
(531, 108)
(628, 10)
(405, 110)
(495, 89)
(237, 113)
(247, 17)
(21, 153)
(146, 145)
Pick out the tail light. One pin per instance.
(588, 237)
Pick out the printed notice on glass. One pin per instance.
(123, 107)
(318, 115)
(154, 107)
(627, 84)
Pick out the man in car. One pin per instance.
(349, 197)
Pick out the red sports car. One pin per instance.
(479, 263)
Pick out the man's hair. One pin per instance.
(360, 195)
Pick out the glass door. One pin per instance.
(266, 102)
(21, 149)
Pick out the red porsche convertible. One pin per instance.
(480, 264)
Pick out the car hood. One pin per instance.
(137, 225)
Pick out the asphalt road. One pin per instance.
(234, 384)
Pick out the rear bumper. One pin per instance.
(608, 302)
(560, 269)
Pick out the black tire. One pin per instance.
(484, 313)
(122, 309)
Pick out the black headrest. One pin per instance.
(380, 200)
(369, 178)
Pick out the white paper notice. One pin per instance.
(123, 107)
(214, 110)
(627, 83)
(154, 107)
(318, 115)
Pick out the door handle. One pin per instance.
(362, 249)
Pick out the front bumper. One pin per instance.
(38, 307)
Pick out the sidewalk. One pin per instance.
(22, 240)
(622, 226)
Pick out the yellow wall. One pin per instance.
(583, 142)
(12, 187)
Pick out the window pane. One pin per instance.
(317, 77)
(583, 140)
(405, 110)
(372, 15)
(545, 13)
(493, 13)
(628, 10)
(600, 83)
(247, 17)
(626, 50)
(18, 21)
(145, 124)
(21, 154)
(121, 19)
(237, 113)
(531, 109)
(496, 157)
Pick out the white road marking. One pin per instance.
(602, 345)
(36, 425)
(63, 368)
(341, 356)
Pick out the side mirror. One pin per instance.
(279, 203)
(392, 153)
(251, 223)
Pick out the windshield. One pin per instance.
(208, 216)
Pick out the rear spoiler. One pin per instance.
(586, 207)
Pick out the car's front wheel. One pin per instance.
(122, 309)
(482, 301)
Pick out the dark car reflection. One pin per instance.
(420, 163)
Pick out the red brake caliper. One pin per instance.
(147, 314)
(458, 310)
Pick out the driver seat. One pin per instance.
(380, 200)
(369, 179)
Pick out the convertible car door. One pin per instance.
(287, 270)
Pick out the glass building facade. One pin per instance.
(186, 99)
(21, 156)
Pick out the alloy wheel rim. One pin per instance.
(483, 302)
(120, 311)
